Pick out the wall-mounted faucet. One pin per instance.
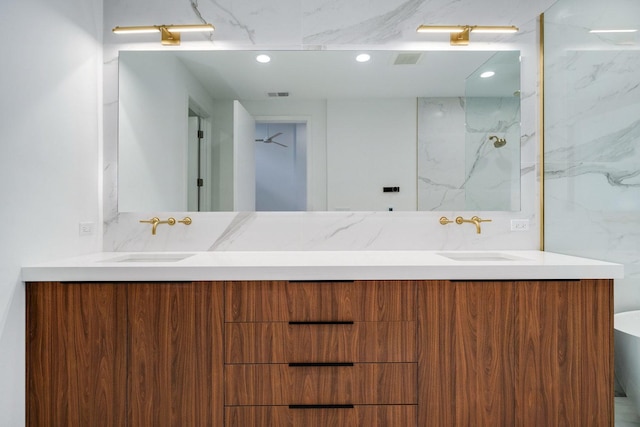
(475, 220)
(155, 221)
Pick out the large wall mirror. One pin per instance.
(318, 130)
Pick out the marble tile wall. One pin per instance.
(592, 138)
(449, 128)
(322, 24)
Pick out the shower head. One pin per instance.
(498, 142)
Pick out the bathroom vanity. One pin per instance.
(397, 338)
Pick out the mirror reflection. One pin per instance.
(318, 130)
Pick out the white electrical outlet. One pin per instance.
(519, 225)
(86, 228)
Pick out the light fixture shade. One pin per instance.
(440, 28)
(138, 29)
(495, 29)
(207, 28)
(630, 30)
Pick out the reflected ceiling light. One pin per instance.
(363, 57)
(459, 34)
(170, 34)
(614, 31)
(487, 74)
(263, 59)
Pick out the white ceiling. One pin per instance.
(336, 74)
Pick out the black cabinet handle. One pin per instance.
(320, 364)
(348, 322)
(321, 406)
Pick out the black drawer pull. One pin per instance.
(321, 406)
(348, 322)
(320, 364)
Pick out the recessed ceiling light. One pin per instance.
(263, 59)
(363, 57)
(487, 74)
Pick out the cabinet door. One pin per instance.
(175, 367)
(566, 357)
(76, 354)
(467, 353)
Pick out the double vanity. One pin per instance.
(345, 338)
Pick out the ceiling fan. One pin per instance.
(270, 140)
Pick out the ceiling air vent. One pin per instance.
(277, 94)
(407, 58)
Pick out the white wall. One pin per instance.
(153, 124)
(371, 144)
(50, 157)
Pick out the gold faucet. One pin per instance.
(155, 221)
(476, 220)
(171, 221)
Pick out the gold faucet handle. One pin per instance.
(444, 220)
(186, 221)
(460, 220)
(154, 220)
(478, 219)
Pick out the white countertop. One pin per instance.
(321, 265)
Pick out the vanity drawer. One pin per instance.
(356, 416)
(320, 301)
(280, 342)
(357, 384)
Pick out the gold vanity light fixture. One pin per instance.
(170, 34)
(459, 34)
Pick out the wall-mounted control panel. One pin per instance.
(390, 189)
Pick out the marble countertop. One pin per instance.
(321, 265)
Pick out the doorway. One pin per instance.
(281, 165)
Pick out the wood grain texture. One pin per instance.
(515, 353)
(566, 357)
(279, 342)
(468, 328)
(437, 375)
(175, 357)
(326, 301)
(76, 355)
(359, 416)
(361, 384)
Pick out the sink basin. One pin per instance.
(480, 256)
(150, 258)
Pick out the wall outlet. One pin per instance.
(519, 225)
(86, 228)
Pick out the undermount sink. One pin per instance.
(168, 257)
(480, 256)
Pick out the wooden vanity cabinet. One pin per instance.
(279, 353)
(124, 354)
